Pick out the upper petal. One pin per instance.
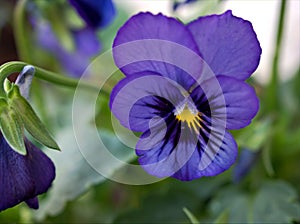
(23, 177)
(159, 44)
(228, 44)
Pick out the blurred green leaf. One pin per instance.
(159, 207)
(255, 135)
(234, 202)
(276, 202)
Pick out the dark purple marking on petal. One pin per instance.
(241, 102)
(156, 43)
(135, 94)
(228, 44)
(23, 177)
(164, 149)
(223, 158)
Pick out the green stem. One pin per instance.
(20, 32)
(272, 94)
(17, 66)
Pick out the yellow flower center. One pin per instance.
(191, 117)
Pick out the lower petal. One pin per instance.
(211, 160)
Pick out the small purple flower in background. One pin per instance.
(177, 4)
(23, 177)
(96, 14)
(184, 89)
(246, 161)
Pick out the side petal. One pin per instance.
(236, 103)
(137, 99)
(159, 44)
(228, 44)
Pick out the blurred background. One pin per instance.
(262, 187)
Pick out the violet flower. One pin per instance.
(184, 89)
(23, 177)
(96, 14)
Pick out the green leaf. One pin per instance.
(232, 200)
(273, 202)
(13, 130)
(276, 202)
(31, 121)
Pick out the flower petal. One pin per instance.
(236, 103)
(216, 157)
(176, 150)
(228, 44)
(137, 99)
(41, 168)
(94, 12)
(33, 203)
(23, 177)
(166, 147)
(159, 44)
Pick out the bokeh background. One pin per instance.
(262, 187)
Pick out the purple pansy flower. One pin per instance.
(23, 178)
(184, 89)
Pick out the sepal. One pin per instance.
(12, 128)
(31, 121)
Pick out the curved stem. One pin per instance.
(20, 33)
(17, 66)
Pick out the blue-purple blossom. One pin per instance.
(23, 178)
(245, 162)
(95, 13)
(87, 45)
(185, 89)
(177, 4)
